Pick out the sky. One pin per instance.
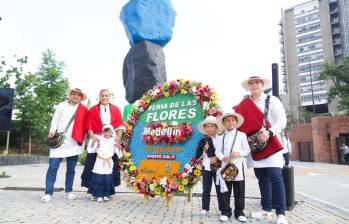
(217, 42)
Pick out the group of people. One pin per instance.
(225, 142)
(104, 125)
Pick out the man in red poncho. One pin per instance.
(70, 115)
(267, 163)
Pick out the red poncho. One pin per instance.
(253, 123)
(94, 122)
(79, 128)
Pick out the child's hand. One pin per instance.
(213, 159)
(226, 159)
(234, 155)
(206, 146)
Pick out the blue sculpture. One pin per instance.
(150, 20)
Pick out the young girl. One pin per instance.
(102, 184)
(206, 150)
(234, 148)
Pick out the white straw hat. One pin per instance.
(240, 119)
(208, 120)
(84, 96)
(266, 82)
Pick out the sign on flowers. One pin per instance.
(161, 138)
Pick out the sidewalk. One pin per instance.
(24, 206)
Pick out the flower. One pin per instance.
(157, 191)
(133, 168)
(127, 155)
(183, 91)
(197, 172)
(185, 181)
(181, 187)
(163, 181)
(166, 94)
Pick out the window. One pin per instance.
(307, 18)
(314, 67)
(309, 47)
(312, 57)
(308, 38)
(308, 28)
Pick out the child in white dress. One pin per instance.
(102, 184)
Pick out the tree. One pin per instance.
(339, 74)
(36, 95)
(50, 90)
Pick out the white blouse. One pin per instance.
(105, 114)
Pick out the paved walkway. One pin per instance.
(24, 205)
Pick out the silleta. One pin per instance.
(169, 131)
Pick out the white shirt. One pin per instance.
(278, 120)
(241, 145)
(287, 145)
(105, 114)
(105, 150)
(60, 120)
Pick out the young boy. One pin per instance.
(206, 151)
(234, 148)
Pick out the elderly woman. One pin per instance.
(103, 113)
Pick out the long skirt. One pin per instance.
(86, 175)
(102, 185)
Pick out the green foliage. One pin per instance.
(339, 74)
(36, 95)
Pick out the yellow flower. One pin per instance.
(127, 155)
(135, 188)
(163, 194)
(157, 191)
(166, 94)
(133, 168)
(181, 187)
(185, 181)
(197, 173)
(148, 100)
(183, 91)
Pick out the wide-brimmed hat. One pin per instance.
(84, 96)
(209, 120)
(266, 82)
(240, 119)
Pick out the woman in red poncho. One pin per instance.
(101, 114)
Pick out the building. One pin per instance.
(311, 34)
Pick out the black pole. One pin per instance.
(275, 79)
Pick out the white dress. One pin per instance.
(105, 151)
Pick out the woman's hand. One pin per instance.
(117, 143)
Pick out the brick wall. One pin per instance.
(322, 132)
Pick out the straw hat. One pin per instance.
(208, 120)
(84, 96)
(239, 118)
(266, 82)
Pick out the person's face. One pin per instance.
(75, 97)
(104, 98)
(108, 134)
(230, 122)
(255, 86)
(211, 129)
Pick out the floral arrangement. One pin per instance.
(181, 182)
(183, 132)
